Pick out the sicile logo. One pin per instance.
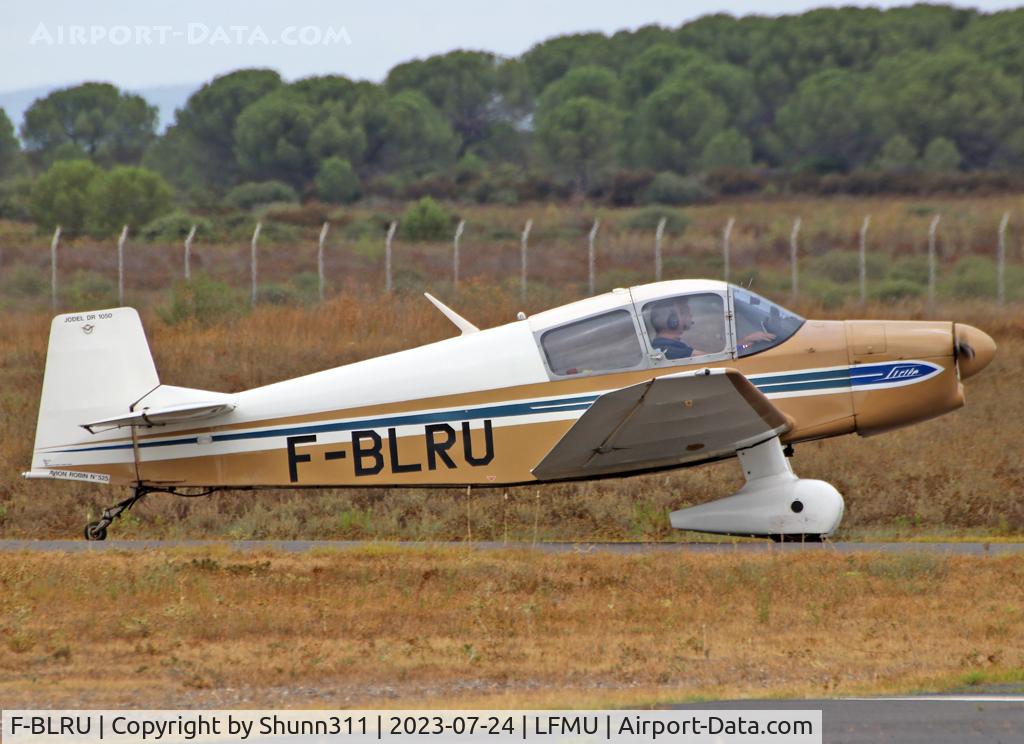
(902, 372)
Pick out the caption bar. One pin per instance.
(439, 727)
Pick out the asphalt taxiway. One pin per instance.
(301, 546)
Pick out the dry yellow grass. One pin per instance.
(383, 627)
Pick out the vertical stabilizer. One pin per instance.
(98, 364)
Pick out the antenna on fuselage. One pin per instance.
(461, 323)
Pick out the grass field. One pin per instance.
(386, 627)
(958, 476)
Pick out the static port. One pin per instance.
(797, 506)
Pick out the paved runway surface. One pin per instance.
(299, 546)
(922, 720)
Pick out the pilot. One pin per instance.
(672, 318)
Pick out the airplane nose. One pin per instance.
(974, 350)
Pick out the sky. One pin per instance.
(144, 44)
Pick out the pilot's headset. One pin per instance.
(666, 316)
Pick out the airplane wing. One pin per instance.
(670, 420)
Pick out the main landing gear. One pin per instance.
(98, 530)
(774, 503)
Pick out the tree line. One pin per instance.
(846, 99)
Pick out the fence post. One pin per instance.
(53, 268)
(657, 248)
(726, 236)
(455, 252)
(320, 259)
(591, 262)
(188, 253)
(524, 242)
(863, 247)
(1000, 260)
(253, 265)
(794, 277)
(120, 265)
(387, 255)
(931, 261)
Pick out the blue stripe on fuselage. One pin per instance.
(859, 376)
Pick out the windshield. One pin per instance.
(760, 323)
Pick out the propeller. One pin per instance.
(972, 349)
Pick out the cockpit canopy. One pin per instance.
(671, 323)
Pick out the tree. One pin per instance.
(552, 59)
(643, 74)
(61, 195)
(898, 154)
(579, 136)
(952, 94)
(271, 138)
(10, 150)
(941, 156)
(405, 133)
(337, 182)
(727, 149)
(588, 81)
(125, 195)
(675, 124)
(461, 85)
(825, 120)
(107, 125)
(337, 133)
(206, 125)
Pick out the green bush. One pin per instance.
(87, 290)
(827, 292)
(125, 195)
(426, 220)
(203, 300)
(941, 156)
(270, 231)
(671, 188)
(891, 290)
(254, 193)
(844, 266)
(278, 294)
(337, 182)
(912, 269)
(676, 220)
(175, 226)
(25, 282)
(61, 195)
(973, 276)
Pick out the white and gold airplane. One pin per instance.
(665, 375)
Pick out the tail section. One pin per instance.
(99, 389)
(98, 364)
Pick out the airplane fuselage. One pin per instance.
(484, 408)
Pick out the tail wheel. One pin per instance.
(95, 531)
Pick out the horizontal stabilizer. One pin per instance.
(168, 405)
(667, 421)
